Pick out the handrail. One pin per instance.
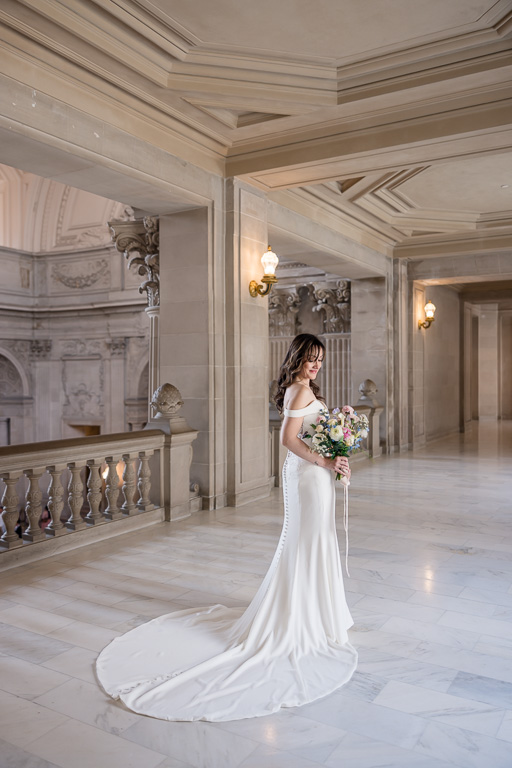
(78, 446)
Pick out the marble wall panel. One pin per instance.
(247, 346)
(369, 338)
(442, 364)
(506, 364)
(488, 354)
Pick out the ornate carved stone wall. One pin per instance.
(322, 308)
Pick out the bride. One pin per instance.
(290, 646)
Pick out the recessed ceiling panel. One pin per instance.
(339, 30)
(476, 185)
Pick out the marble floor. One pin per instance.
(431, 595)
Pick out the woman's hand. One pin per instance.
(340, 464)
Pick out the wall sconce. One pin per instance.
(270, 262)
(429, 316)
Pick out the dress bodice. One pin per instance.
(311, 409)
(314, 407)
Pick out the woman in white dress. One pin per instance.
(290, 646)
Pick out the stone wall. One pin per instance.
(442, 364)
(73, 346)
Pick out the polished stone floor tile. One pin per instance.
(87, 703)
(71, 745)
(446, 708)
(15, 757)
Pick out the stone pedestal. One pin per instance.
(178, 498)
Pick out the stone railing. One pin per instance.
(81, 484)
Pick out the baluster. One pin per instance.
(33, 506)
(129, 479)
(144, 482)
(94, 495)
(112, 511)
(55, 501)
(75, 497)
(10, 539)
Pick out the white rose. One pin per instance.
(317, 439)
(319, 428)
(336, 433)
(349, 439)
(364, 433)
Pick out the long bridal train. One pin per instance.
(289, 647)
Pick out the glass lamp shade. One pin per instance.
(270, 262)
(429, 310)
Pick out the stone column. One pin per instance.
(369, 338)
(488, 358)
(401, 330)
(42, 371)
(192, 337)
(417, 433)
(117, 378)
(247, 346)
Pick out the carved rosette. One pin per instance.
(139, 240)
(283, 307)
(334, 303)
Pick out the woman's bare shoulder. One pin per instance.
(297, 396)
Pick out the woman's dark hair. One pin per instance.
(304, 347)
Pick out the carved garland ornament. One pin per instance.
(141, 237)
(95, 271)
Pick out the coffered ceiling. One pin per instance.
(393, 115)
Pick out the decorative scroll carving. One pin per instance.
(141, 237)
(283, 307)
(40, 349)
(335, 305)
(76, 276)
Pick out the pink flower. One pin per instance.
(348, 409)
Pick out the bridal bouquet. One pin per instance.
(338, 433)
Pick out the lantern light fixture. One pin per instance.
(430, 311)
(269, 261)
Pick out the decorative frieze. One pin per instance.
(84, 348)
(141, 237)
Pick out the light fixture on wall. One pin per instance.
(270, 262)
(429, 316)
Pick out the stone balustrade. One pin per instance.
(84, 483)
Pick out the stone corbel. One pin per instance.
(335, 305)
(139, 241)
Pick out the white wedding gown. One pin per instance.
(289, 647)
